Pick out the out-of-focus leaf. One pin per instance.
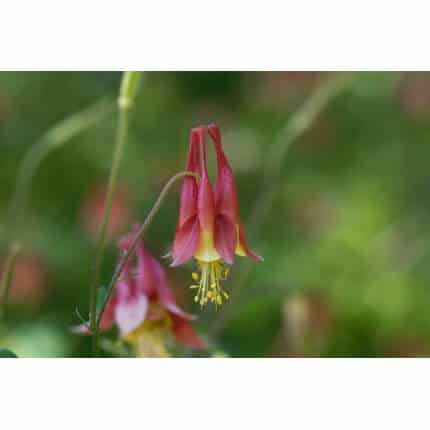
(5, 353)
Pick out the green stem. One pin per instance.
(54, 138)
(7, 277)
(137, 238)
(300, 122)
(128, 91)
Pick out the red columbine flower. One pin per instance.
(209, 226)
(144, 307)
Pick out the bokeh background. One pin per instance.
(345, 236)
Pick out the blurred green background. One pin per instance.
(346, 241)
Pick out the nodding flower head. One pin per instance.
(209, 227)
(144, 307)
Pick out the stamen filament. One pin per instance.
(209, 288)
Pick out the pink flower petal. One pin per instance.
(108, 317)
(244, 245)
(225, 192)
(205, 200)
(173, 308)
(131, 313)
(185, 333)
(186, 242)
(225, 238)
(145, 280)
(189, 191)
(164, 294)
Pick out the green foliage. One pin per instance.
(346, 242)
(5, 353)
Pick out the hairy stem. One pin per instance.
(127, 94)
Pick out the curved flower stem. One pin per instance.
(127, 94)
(7, 277)
(55, 137)
(300, 122)
(137, 238)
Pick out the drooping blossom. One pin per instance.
(144, 308)
(209, 227)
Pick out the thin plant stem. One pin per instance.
(138, 236)
(127, 95)
(301, 121)
(53, 139)
(7, 277)
(120, 139)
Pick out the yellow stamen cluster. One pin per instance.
(209, 282)
(151, 343)
(149, 339)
